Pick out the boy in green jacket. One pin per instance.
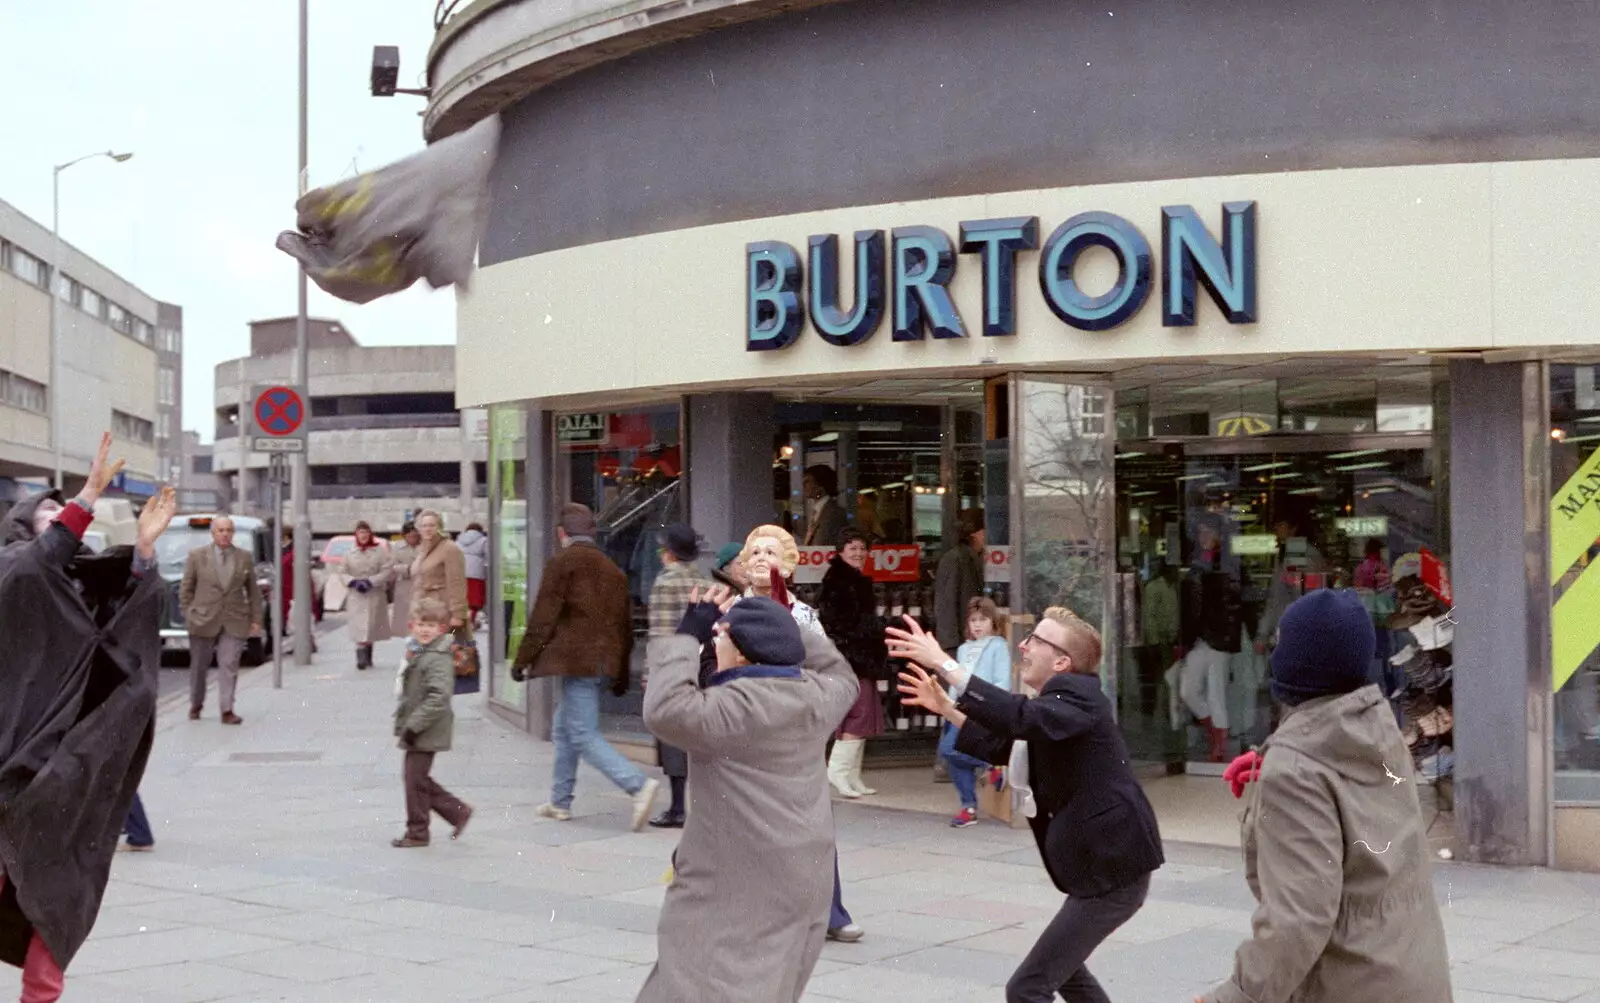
(424, 722)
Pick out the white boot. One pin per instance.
(839, 768)
(856, 759)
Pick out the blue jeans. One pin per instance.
(137, 825)
(576, 733)
(963, 768)
(838, 918)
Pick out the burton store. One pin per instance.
(1184, 359)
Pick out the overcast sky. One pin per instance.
(204, 94)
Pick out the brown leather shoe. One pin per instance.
(462, 825)
(407, 842)
(194, 713)
(231, 718)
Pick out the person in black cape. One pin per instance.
(78, 681)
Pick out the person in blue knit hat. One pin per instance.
(747, 910)
(1334, 843)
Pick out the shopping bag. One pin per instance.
(464, 651)
(418, 218)
(994, 795)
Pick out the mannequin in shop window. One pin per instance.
(1212, 624)
(825, 517)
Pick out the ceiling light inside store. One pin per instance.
(1581, 438)
(1194, 477)
(1284, 477)
(787, 452)
(1558, 434)
(1267, 466)
(1354, 453)
(827, 437)
(1378, 491)
(1129, 456)
(1378, 465)
(1306, 491)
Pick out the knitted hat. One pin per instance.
(765, 632)
(1325, 646)
(681, 541)
(726, 555)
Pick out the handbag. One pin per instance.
(465, 653)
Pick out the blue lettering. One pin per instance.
(924, 261)
(999, 240)
(772, 284)
(1228, 272)
(1126, 295)
(836, 326)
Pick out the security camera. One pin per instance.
(386, 73)
(385, 70)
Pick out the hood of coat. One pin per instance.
(1347, 733)
(469, 538)
(17, 527)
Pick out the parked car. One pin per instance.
(190, 532)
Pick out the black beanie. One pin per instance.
(765, 632)
(1326, 641)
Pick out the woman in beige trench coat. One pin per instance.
(402, 554)
(366, 572)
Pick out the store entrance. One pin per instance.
(903, 464)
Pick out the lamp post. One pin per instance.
(53, 283)
(300, 471)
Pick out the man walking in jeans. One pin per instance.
(580, 631)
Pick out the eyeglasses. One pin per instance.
(1033, 636)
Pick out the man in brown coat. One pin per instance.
(580, 631)
(221, 605)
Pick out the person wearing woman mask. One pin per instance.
(986, 656)
(848, 611)
(439, 571)
(769, 557)
(366, 571)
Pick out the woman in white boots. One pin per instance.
(849, 614)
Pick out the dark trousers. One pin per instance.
(1056, 963)
(424, 796)
(137, 825)
(1153, 662)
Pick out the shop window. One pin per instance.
(1575, 590)
(1234, 496)
(508, 516)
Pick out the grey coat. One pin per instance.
(425, 690)
(747, 911)
(368, 614)
(1336, 853)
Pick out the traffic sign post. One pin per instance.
(275, 464)
(278, 418)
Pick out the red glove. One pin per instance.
(1241, 771)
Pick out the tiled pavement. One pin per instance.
(273, 880)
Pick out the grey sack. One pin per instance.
(418, 218)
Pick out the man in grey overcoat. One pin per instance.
(747, 911)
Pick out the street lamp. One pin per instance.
(53, 290)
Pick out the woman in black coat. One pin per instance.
(849, 614)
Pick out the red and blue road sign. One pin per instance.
(279, 411)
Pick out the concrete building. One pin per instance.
(110, 372)
(169, 393)
(386, 439)
(200, 488)
(1291, 289)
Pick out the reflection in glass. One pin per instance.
(509, 516)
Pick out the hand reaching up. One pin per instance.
(102, 472)
(154, 519)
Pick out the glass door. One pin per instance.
(508, 512)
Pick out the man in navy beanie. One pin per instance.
(1335, 848)
(747, 910)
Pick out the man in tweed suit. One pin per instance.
(679, 579)
(221, 605)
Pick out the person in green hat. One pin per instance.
(728, 569)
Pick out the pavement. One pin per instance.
(273, 879)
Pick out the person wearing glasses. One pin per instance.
(1066, 760)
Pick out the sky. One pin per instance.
(205, 95)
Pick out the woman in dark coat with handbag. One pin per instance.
(849, 614)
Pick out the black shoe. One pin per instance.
(669, 819)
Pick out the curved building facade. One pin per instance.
(1199, 308)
